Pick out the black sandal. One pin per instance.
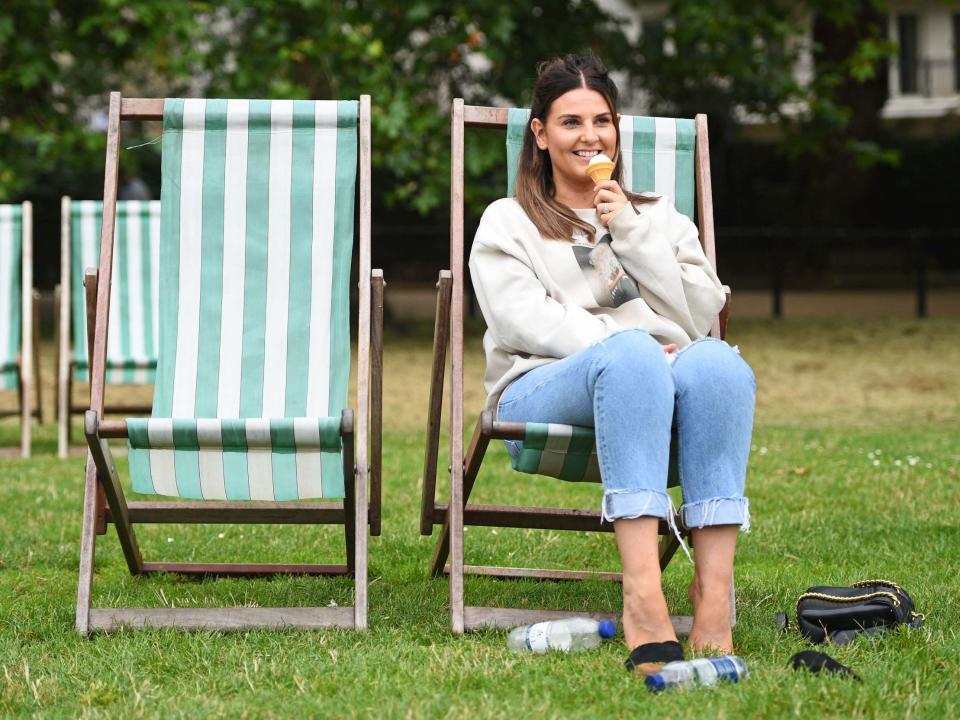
(656, 652)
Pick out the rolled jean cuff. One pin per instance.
(717, 511)
(625, 504)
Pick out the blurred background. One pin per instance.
(834, 126)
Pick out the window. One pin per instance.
(909, 61)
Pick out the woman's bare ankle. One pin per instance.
(646, 619)
(711, 631)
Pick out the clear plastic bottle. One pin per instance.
(702, 672)
(567, 635)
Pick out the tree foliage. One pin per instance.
(58, 60)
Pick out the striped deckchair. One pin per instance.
(19, 360)
(664, 155)
(250, 414)
(132, 342)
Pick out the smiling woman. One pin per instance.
(579, 127)
(598, 302)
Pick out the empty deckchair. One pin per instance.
(659, 154)
(19, 359)
(250, 413)
(132, 342)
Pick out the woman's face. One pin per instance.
(578, 126)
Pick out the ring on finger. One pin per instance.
(604, 208)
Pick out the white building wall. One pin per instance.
(937, 87)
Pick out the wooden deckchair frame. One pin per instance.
(28, 359)
(104, 501)
(65, 363)
(454, 515)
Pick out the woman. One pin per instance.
(598, 303)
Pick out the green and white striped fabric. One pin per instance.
(11, 247)
(235, 458)
(132, 339)
(658, 155)
(256, 237)
(569, 452)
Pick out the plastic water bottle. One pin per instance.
(700, 672)
(567, 635)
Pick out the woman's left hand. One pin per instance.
(609, 199)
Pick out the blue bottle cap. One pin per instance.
(608, 629)
(655, 683)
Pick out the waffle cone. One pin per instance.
(600, 171)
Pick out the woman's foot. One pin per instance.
(711, 633)
(646, 621)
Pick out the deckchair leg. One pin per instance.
(56, 352)
(88, 541)
(349, 491)
(361, 511)
(62, 381)
(475, 453)
(110, 482)
(23, 395)
(68, 409)
(454, 529)
(27, 314)
(668, 547)
(37, 380)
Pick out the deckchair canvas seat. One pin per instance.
(568, 452)
(234, 458)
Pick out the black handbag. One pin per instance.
(841, 613)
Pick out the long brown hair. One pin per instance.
(535, 186)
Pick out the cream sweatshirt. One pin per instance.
(546, 299)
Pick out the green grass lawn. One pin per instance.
(853, 476)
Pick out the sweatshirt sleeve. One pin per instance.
(519, 313)
(660, 249)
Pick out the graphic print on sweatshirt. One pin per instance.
(601, 268)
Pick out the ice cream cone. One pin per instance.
(600, 168)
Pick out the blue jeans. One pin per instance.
(625, 388)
